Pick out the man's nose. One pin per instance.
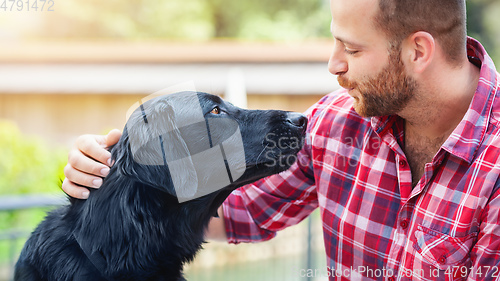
(337, 64)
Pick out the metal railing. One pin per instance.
(23, 202)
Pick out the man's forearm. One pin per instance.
(216, 230)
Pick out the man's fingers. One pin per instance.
(78, 161)
(74, 190)
(112, 137)
(88, 163)
(82, 178)
(94, 147)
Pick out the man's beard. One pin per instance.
(386, 94)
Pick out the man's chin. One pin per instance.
(360, 111)
(359, 108)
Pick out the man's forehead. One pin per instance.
(354, 8)
(350, 18)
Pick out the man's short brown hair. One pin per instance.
(445, 20)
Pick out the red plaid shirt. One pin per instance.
(375, 225)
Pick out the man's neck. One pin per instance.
(440, 105)
(434, 113)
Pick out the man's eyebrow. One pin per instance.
(343, 40)
(347, 42)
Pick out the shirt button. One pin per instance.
(442, 260)
(391, 278)
(402, 163)
(403, 224)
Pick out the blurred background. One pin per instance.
(74, 67)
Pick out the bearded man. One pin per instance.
(416, 196)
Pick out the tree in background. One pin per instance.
(202, 20)
(483, 23)
(187, 19)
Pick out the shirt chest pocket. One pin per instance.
(440, 256)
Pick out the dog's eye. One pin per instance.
(216, 110)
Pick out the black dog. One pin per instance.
(137, 226)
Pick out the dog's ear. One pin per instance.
(175, 147)
(154, 141)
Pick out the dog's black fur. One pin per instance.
(133, 227)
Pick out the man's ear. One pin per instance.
(419, 50)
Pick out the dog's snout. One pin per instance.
(297, 119)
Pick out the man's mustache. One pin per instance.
(345, 83)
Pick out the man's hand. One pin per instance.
(88, 163)
(216, 230)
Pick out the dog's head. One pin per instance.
(190, 144)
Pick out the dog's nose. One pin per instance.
(297, 119)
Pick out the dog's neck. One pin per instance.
(150, 222)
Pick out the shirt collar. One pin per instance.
(469, 134)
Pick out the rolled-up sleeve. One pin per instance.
(256, 211)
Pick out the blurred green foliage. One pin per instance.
(211, 19)
(188, 19)
(483, 23)
(28, 164)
